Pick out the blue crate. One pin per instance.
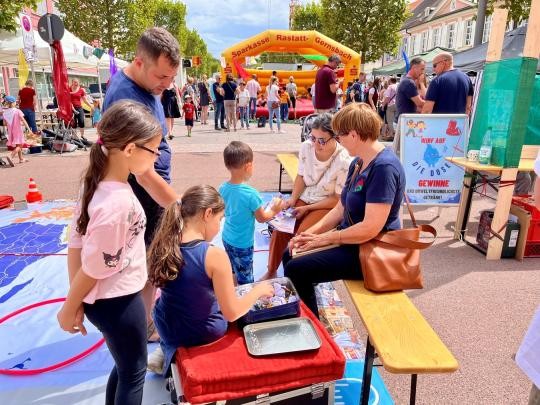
(288, 310)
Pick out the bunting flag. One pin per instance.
(98, 52)
(240, 69)
(112, 63)
(60, 82)
(406, 59)
(23, 69)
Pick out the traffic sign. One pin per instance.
(50, 28)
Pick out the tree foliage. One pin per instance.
(120, 23)
(9, 9)
(370, 26)
(518, 10)
(100, 19)
(308, 17)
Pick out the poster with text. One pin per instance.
(426, 140)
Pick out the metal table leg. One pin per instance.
(368, 368)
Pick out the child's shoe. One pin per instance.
(156, 360)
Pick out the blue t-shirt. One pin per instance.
(241, 202)
(358, 92)
(382, 182)
(218, 97)
(122, 87)
(449, 92)
(405, 91)
(230, 88)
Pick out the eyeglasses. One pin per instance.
(435, 64)
(153, 152)
(320, 141)
(340, 134)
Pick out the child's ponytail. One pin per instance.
(94, 174)
(164, 256)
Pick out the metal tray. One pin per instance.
(283, 336)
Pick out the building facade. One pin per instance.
(447, 24)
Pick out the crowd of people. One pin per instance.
(132, 233)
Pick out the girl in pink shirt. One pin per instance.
(14, 119)
(106, 251)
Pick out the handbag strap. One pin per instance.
(393, 238)
(325, 170)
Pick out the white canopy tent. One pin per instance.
(10, 43)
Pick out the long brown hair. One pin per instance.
(164, 256)
(124, 123)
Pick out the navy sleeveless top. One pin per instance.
(187, 312)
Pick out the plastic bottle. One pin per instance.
(484, 157)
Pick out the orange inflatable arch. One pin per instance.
(301, 42)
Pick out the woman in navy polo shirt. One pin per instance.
(370, 203)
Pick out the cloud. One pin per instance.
(223, 23)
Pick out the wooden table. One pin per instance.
(504, 196)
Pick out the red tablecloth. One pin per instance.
(225, 370)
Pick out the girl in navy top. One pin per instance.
(198, 297)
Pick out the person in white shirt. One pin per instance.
(272, 91)
(253, 87)
(243, 101)
(292, 90)
(527, 357)
(322, 171)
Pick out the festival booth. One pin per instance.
(312, 45)
(507, 108)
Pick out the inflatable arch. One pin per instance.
(301, 42)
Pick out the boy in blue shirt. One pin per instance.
(243, 205)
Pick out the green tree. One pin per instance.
(106, 20)
(370, 27)
(9, 9)
(518, 10)
(308, 17)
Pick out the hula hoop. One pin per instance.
(53, 366)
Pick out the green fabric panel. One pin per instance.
(314, 57)
(532, 136)
(503, 104)
(399, 66)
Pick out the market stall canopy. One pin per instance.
(473, 59)
(398, 68)
(73, 47)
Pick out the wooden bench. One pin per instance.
(288, 163)
(400, 336)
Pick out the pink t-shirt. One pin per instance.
(112, 250)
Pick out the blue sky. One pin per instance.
(222, 23)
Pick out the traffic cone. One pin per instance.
(33, 194)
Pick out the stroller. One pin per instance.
(306, 123)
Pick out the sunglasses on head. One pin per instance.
(320, 141)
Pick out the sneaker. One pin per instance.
(272, 131)
(281, 131)
(217, 128)
(156, 361)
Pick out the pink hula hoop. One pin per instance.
(52, 367)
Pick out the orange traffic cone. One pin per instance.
(33, 194)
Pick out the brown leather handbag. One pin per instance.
(391, 260)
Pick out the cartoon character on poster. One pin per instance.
(428, 141)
